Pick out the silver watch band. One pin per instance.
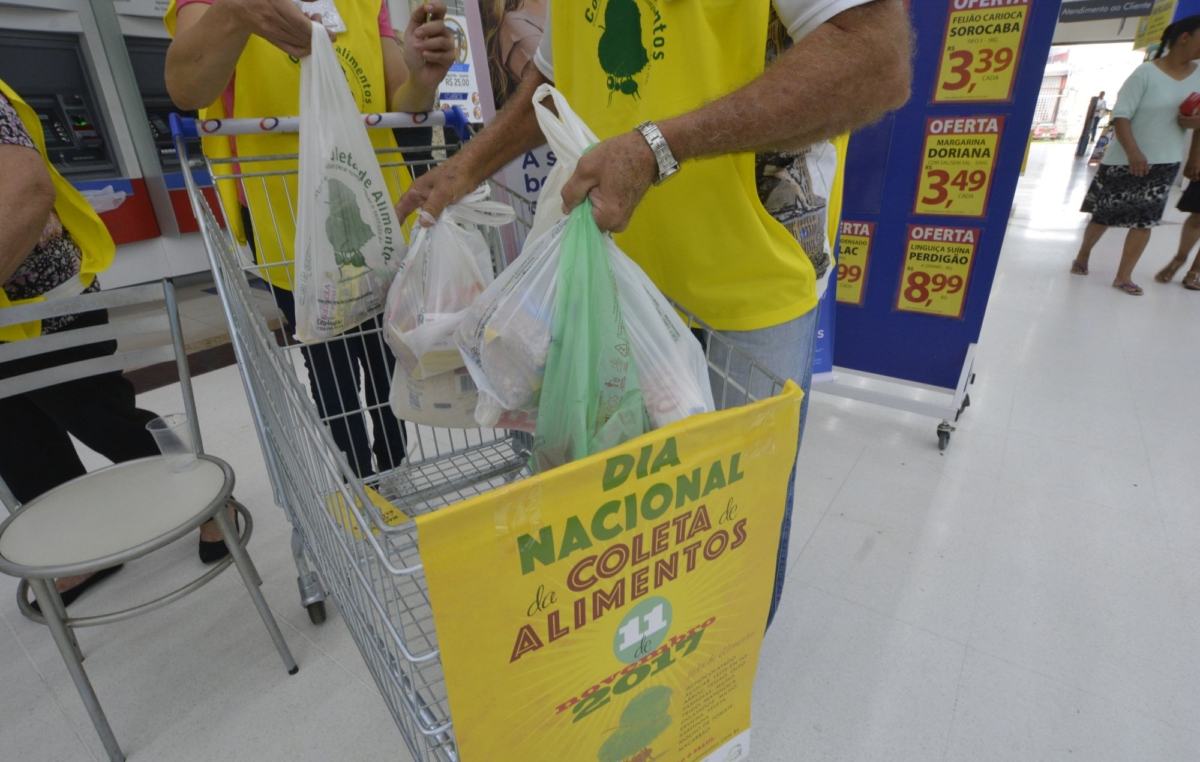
(667, 165)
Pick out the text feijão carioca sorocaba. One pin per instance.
(661, 552)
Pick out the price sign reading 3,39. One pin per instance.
(982, 48)
(937, 270)
(854, 249)
(959, 158)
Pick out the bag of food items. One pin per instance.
(449, 264)
(549, 317)
(349, 244)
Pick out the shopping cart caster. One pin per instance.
(312, 597)
(943, 434)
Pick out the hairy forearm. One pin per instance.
(203, 57)
(1124, 130)
(846, 74)
(514, 131)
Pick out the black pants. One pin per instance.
(36, 453)
(336, 371)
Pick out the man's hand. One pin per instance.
(428, 46)
(1138, 165)
(434, 191)
(279, 22)
(1189, 122)
(616, 175)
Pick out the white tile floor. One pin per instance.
(1031, 594)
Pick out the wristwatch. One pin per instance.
(667, 165)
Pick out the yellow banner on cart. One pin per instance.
(613, 609)
(981, 50)
(959, 161)
(937, 270)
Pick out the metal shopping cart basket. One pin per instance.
(367, 558)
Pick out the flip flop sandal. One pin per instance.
(1131, 288)
(1078, 268)
(1191, 281)
(1167, 274)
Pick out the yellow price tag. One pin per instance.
(854, 250)
(937, 270)
(981, 51)
(959, 158)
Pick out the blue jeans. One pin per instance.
(787, 351)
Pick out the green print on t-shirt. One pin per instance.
(621, 52)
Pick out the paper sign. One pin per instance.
(981, 50)
(460, 87)
(1150, 29)
(613, 609)
(148, 8)
(854, 250)
(959, 158)
(937, 270)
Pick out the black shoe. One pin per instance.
(212, 552)
(69, 596)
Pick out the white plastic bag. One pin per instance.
(448, 266)
(505, 336)
(349, 244)
(568, 136)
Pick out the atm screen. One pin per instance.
(48, 72)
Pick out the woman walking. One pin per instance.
(1130, 190)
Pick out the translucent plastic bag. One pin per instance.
(591, 399)
(349, 244)
(505, 336)
(449, 264)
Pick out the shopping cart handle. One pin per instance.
(457, 121)
(183, 126)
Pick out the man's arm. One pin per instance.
(514, 132)
(848, 73)
(27, 196)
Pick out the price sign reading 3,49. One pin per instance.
(937, 270)
(983, 45)
(958, 161)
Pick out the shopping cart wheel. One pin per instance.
(316, 612)
(943, 440)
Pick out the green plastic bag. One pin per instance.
(591, 398)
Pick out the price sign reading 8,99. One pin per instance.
(983, 44)
(958, 161)
(937, 270)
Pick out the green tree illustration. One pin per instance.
(344, 228)
(644, 719)
(622, 53)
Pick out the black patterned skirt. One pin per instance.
(1119, 199)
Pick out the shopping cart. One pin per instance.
(366, 558)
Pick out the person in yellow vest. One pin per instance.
(53, 244)
(680, 97)
(240, 59)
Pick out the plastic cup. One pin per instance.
(174, 439)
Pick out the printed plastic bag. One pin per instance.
(349, 244)
(591, 399)
(448, 266)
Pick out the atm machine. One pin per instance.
(68, 60)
